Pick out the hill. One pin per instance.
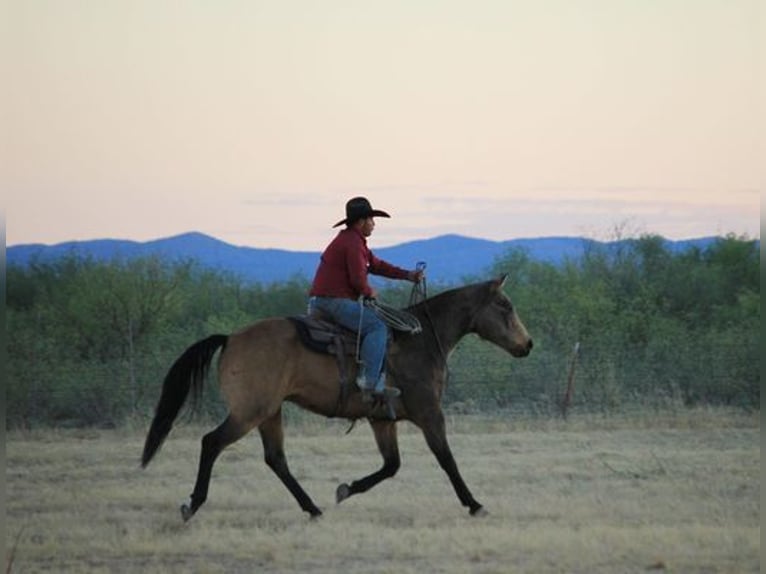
(451, 258)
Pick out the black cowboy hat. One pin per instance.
(359, 208)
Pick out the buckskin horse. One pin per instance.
(266, 364)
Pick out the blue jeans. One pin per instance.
(374, 332)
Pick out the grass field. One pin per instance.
(674, 493)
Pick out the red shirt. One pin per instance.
(344, 266)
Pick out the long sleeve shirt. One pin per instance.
(344, 266)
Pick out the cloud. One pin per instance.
(597, 213)
(285, 199)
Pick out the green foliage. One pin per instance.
(655, 328)
(89, 342)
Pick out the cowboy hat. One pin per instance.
(359, 208)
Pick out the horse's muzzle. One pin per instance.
(523, 350)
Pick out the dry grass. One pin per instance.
(676, 493)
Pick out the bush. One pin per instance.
(89, 343)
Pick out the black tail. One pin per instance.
(187, 373)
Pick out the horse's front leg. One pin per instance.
(385, 436)
(434, 430)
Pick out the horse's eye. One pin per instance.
(506, 306)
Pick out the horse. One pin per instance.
(265, 364)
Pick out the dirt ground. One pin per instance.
(674, 493)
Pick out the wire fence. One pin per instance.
(481, 379)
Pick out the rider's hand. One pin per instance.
(415, 276)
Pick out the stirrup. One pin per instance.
(367, 395)
(388, 393)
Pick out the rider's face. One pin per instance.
(367, 226)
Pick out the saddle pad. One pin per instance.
(322, 336)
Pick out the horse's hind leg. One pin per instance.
(213, 443)
(385, 436)
(272, 436)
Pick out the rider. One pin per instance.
(341, 282)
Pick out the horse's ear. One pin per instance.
(498, 283)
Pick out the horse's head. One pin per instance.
(496, 321)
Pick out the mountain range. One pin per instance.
(451, 259)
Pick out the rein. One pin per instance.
(397, 319)
(402, 320)
(419, 294)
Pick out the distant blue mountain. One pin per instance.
(451, 259)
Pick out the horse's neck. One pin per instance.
(450, 316)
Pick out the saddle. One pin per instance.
(326, 337)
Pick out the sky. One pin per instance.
(255, 121)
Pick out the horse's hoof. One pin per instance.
(186, 512)
(479, 512)
(343, 492)
(315, 516)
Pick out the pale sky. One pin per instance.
(254, 121)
